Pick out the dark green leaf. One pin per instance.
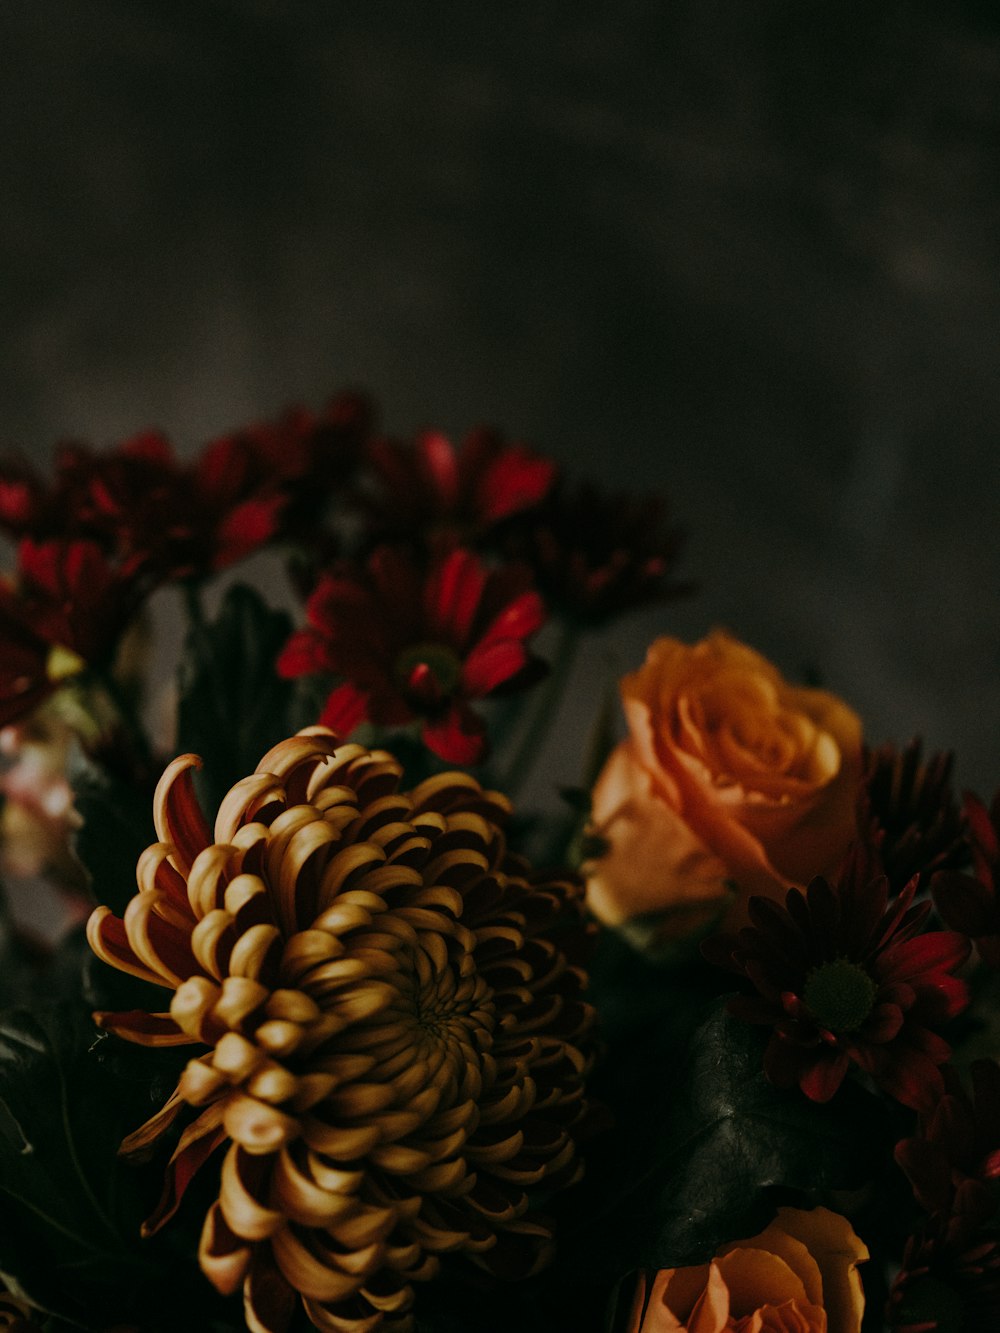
(734, 1136)
(70, 1209)
(703, 1147)
(233, 705)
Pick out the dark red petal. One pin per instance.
(345, 708)
(459, 737)
(145, 1029)
(822, 1076)
(246, 528)
(944, 949)
(453, 595)
(515, 481)
(944, 996)
(488, 667)
(196, 1146)
(910, 1077)
(928, 1043)
(151, 447)
(899, 994)
(519, 620)
(438, 459)
(883, 1023)
(301, 655)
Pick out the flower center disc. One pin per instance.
(442, 663)
(840, 995)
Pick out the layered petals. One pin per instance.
(391, 1048)
(844, 977)
(800, 1275)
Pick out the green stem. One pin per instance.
(193, 604)
(126, 714)
(542, 715)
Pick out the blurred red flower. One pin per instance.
(66, 609)
(191, 519)
(971, 903)
(415, 643)
(950, 1275)
(431, 491)
(908, 809)
(596, 554)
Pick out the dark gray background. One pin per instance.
(744, 252)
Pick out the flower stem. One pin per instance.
(543, 713)
(193, 604)
(128, 716)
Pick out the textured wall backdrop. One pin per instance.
(747, 253)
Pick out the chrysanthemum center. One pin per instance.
(440, 660)
(840, 995)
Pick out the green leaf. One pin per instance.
(733, 1137)
(703, 1147)
(233, 705)
(69, 1209)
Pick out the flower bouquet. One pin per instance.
(333, 1033)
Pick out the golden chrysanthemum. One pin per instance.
(396, 1046)
(15, 1314)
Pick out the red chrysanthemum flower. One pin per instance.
(244, 489)
(316, 451)
(971, 903)
(596, 554)
(66, 609)
(419, 645)
(908, 809)
(950, 1276)
(430, 491)
(844, 976)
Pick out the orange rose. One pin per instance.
(729, 774)
(798, 1276)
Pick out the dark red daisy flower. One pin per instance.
(66, 609)
(320, 450)
(953, 1161)
(846, 977)
(414, 644)
(971, 903)
(431, 492)
(596, 554)
(138, 500)
(185, 520)
(76, 598)
(950, 1276)
(909, 810)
